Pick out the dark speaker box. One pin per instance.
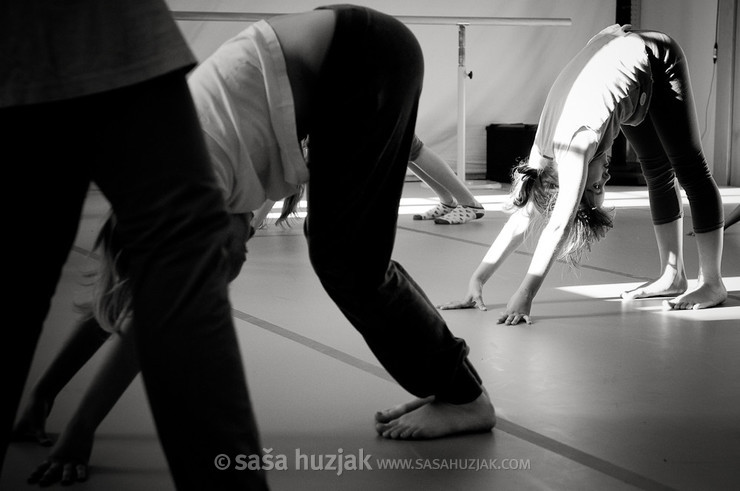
(506, 144)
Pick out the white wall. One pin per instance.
(513, 67)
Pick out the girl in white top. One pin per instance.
(636, 82)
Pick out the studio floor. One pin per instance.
(598, 393)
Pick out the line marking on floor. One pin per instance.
(513, 429)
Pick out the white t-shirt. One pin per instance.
(607, 84)
(243, 96)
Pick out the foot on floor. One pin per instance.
(429, 418)
(440, 210)
(460, 215)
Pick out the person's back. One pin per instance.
(605, 85)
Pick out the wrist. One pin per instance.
(530, 286)
(526, 292)
(477, 280)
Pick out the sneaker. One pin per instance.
(460, 215)
(436, 212)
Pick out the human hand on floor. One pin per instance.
(67, 462)
(474, 299)
(517, 310)
(51, 471)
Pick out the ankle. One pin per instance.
(710, 279)
(675, 271)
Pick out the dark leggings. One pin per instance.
(416, 146)
(359, 149)
(668, 144)
(143, 147)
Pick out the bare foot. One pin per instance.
(670, 284)
(397, 411)
(31, 426)
(429, 418)
(702, 297)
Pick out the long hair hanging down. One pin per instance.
(290, 206)
(540, 188)
(111, 292)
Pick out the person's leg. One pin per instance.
(41, 158)
(666, 209)
(172, 223)
(355, 141)
(447, 201)
(710, 289)
(82, 344)
(445, 197)
(673, 114)
(431, 169)
(436, 169)
(733, 217)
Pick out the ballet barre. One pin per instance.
(201, 15)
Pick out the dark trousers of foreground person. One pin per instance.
(142, 146)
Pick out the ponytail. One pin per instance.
(537, 186)
(589, 226)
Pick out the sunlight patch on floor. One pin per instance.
(611, 292)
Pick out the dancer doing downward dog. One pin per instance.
(350, 78)
(637, 82)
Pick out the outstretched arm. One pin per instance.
(82, 344)
(507, 241)
(572, 171)
(68, 459)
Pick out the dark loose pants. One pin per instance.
(359, 149)
(668, 143)
(143, 147)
